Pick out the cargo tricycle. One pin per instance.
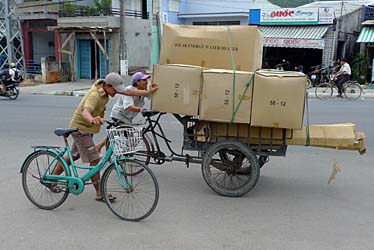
(230, 155)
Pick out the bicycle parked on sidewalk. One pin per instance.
(351, 89)
(132, 183)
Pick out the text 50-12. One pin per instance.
(275, 103)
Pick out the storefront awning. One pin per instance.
(366, 35)
(295, 36)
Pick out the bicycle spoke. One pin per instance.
(138, 199)
(39, 192)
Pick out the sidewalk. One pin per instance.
(80, 89)
(63, 88)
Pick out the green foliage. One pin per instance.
(100, 7)
(359, 68)
(291, 3)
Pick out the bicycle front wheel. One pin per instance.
(135, 188)
(42, 193)
(324, 91)
(352, 90)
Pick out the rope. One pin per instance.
(307, 143)
(242, 97)
(234, 74)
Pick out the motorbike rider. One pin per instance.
(14, 73)
(343, 75)
(5, 77)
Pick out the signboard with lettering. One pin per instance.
(288, 16)
(292, 16)
(326, 15)
(294, 43)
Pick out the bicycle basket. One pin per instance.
(126, 140)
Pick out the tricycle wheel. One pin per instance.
(230, 168)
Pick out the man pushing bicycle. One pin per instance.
(88, 118)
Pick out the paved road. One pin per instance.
(292, 206)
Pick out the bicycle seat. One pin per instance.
(65, 131)
(149, 113)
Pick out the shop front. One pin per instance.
(301, 37)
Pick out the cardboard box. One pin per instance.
(247, 134)
(278, 99)
(179, 89)
(333, 135)
(209, 46)
(218, 96)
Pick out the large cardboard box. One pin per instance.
(219, 97)
(209, 46)
(337, 136)
(278, 99)
(179, 89)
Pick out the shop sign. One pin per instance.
(294, 16)
(289, 16)
(294, 43)
(326, 15)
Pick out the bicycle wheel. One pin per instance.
(230, 168)
(324, 91)
(352, 90)
(140, 197)
(43, 194)
(144, 155)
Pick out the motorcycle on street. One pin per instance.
(12, 90)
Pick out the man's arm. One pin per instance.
(138, 92)
(135, 108)
(88, 116)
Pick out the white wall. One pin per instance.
(173, 5)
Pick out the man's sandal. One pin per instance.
(110, 197)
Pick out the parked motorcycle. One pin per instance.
(321, 74)
(284, 65)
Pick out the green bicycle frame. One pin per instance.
(76, 183)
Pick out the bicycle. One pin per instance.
(132, 182)
(352, 90)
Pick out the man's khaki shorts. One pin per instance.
(84, 147)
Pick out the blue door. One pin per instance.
(84, 59)
(104, 72)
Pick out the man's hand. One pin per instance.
(153, 88)
(97, 120)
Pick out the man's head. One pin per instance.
(343, 61)
(12, 65)
(113, 84)
(139, 80)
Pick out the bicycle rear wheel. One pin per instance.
(43, 194)
(139, 198)
(324, 91)
(352, 90)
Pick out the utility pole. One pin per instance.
(10, 28)
(122, 37)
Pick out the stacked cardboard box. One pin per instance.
(216, 47)
(220, 98)
(278, 99)
(225, 59)
(212, 72)
(179, 89)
